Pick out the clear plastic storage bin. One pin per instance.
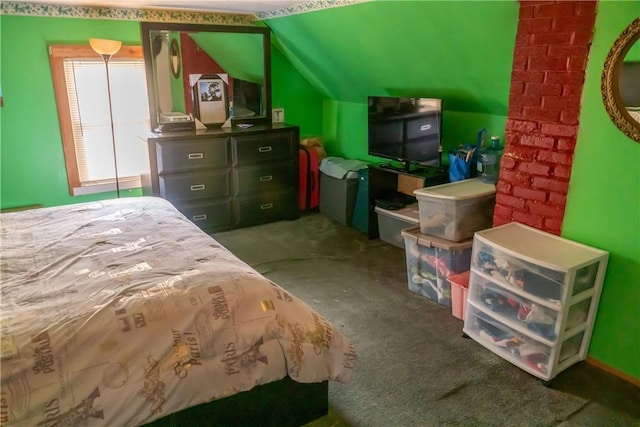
(431, 260)
(392, 222)
(456, 210)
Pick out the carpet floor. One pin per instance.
(414, 366)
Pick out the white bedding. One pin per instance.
(120, 312)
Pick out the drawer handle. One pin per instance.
(193, 156)
(425, 127)
(266, 178)
(199, 217)
(265, 149)
(197, 187)
(266, 206)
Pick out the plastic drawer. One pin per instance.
(537, 281)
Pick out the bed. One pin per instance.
(124, 313)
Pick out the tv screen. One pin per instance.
(405, 129)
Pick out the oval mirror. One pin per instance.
(620, 82)
(174, 58)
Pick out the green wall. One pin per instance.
(409, 48)
(603, 204)
(33, 169)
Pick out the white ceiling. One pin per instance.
(229, 6)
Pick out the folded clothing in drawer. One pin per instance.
(431, 260)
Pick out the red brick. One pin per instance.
(519, 64)
(538, 141)
(562, 172)
(499, 220)
(572, 91)
(521, 125)
(546, 63)
(534, 168)
(535, 25)
(550, 184)
(527, 76)
(586, 8)
(538, 50)
(569, 117)
(509, 201)
(566, 144)
(523, 39)
(548, 211)
(503, 187)
(512, 137)
(541, 114)
(555, 102)
(561, 8)
(574, 23)
(581, 37)
(552, 37)
(566, 51)
(517, 88)
(515, 177)
(542, 89)
(507, 163)
(534, 101)
(502, 211)
(557, 199)
(520, 152)
(553, 225)
(515, 112)
(564, 77)
(529, 194)
(526, 218)
(577, 63)
(558, 130)
(526, 11)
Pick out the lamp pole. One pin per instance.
(106, 49)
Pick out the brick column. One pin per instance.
(550, 57)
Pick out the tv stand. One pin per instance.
(387, 182)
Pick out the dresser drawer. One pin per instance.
(261, 148)
(256, 179)
(192, 154)
(265, 207)
(208, 215)
(190, 186)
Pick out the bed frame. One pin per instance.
(283, 403)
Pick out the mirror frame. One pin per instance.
(610, 81)
(147, 27)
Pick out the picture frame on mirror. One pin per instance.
(210, 99)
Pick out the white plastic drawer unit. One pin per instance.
(539, 289)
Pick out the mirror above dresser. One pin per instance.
(207, 75)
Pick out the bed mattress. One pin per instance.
(119, 312)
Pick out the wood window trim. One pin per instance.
(57, 55)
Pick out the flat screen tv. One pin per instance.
(404, 129)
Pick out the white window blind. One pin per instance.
(89, 109)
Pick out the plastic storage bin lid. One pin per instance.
(410, 213)
(428, 241)
(459, 190)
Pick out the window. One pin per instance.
(80, 85)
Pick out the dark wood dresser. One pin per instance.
(227, 178)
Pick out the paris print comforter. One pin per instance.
(120, 312)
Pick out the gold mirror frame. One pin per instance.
(610, 77)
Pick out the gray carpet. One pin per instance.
(414, 366)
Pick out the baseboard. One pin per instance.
(613, 371)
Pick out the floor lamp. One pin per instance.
(106, 49)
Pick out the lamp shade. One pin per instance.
(105, 47)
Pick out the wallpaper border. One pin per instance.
(162, 15)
